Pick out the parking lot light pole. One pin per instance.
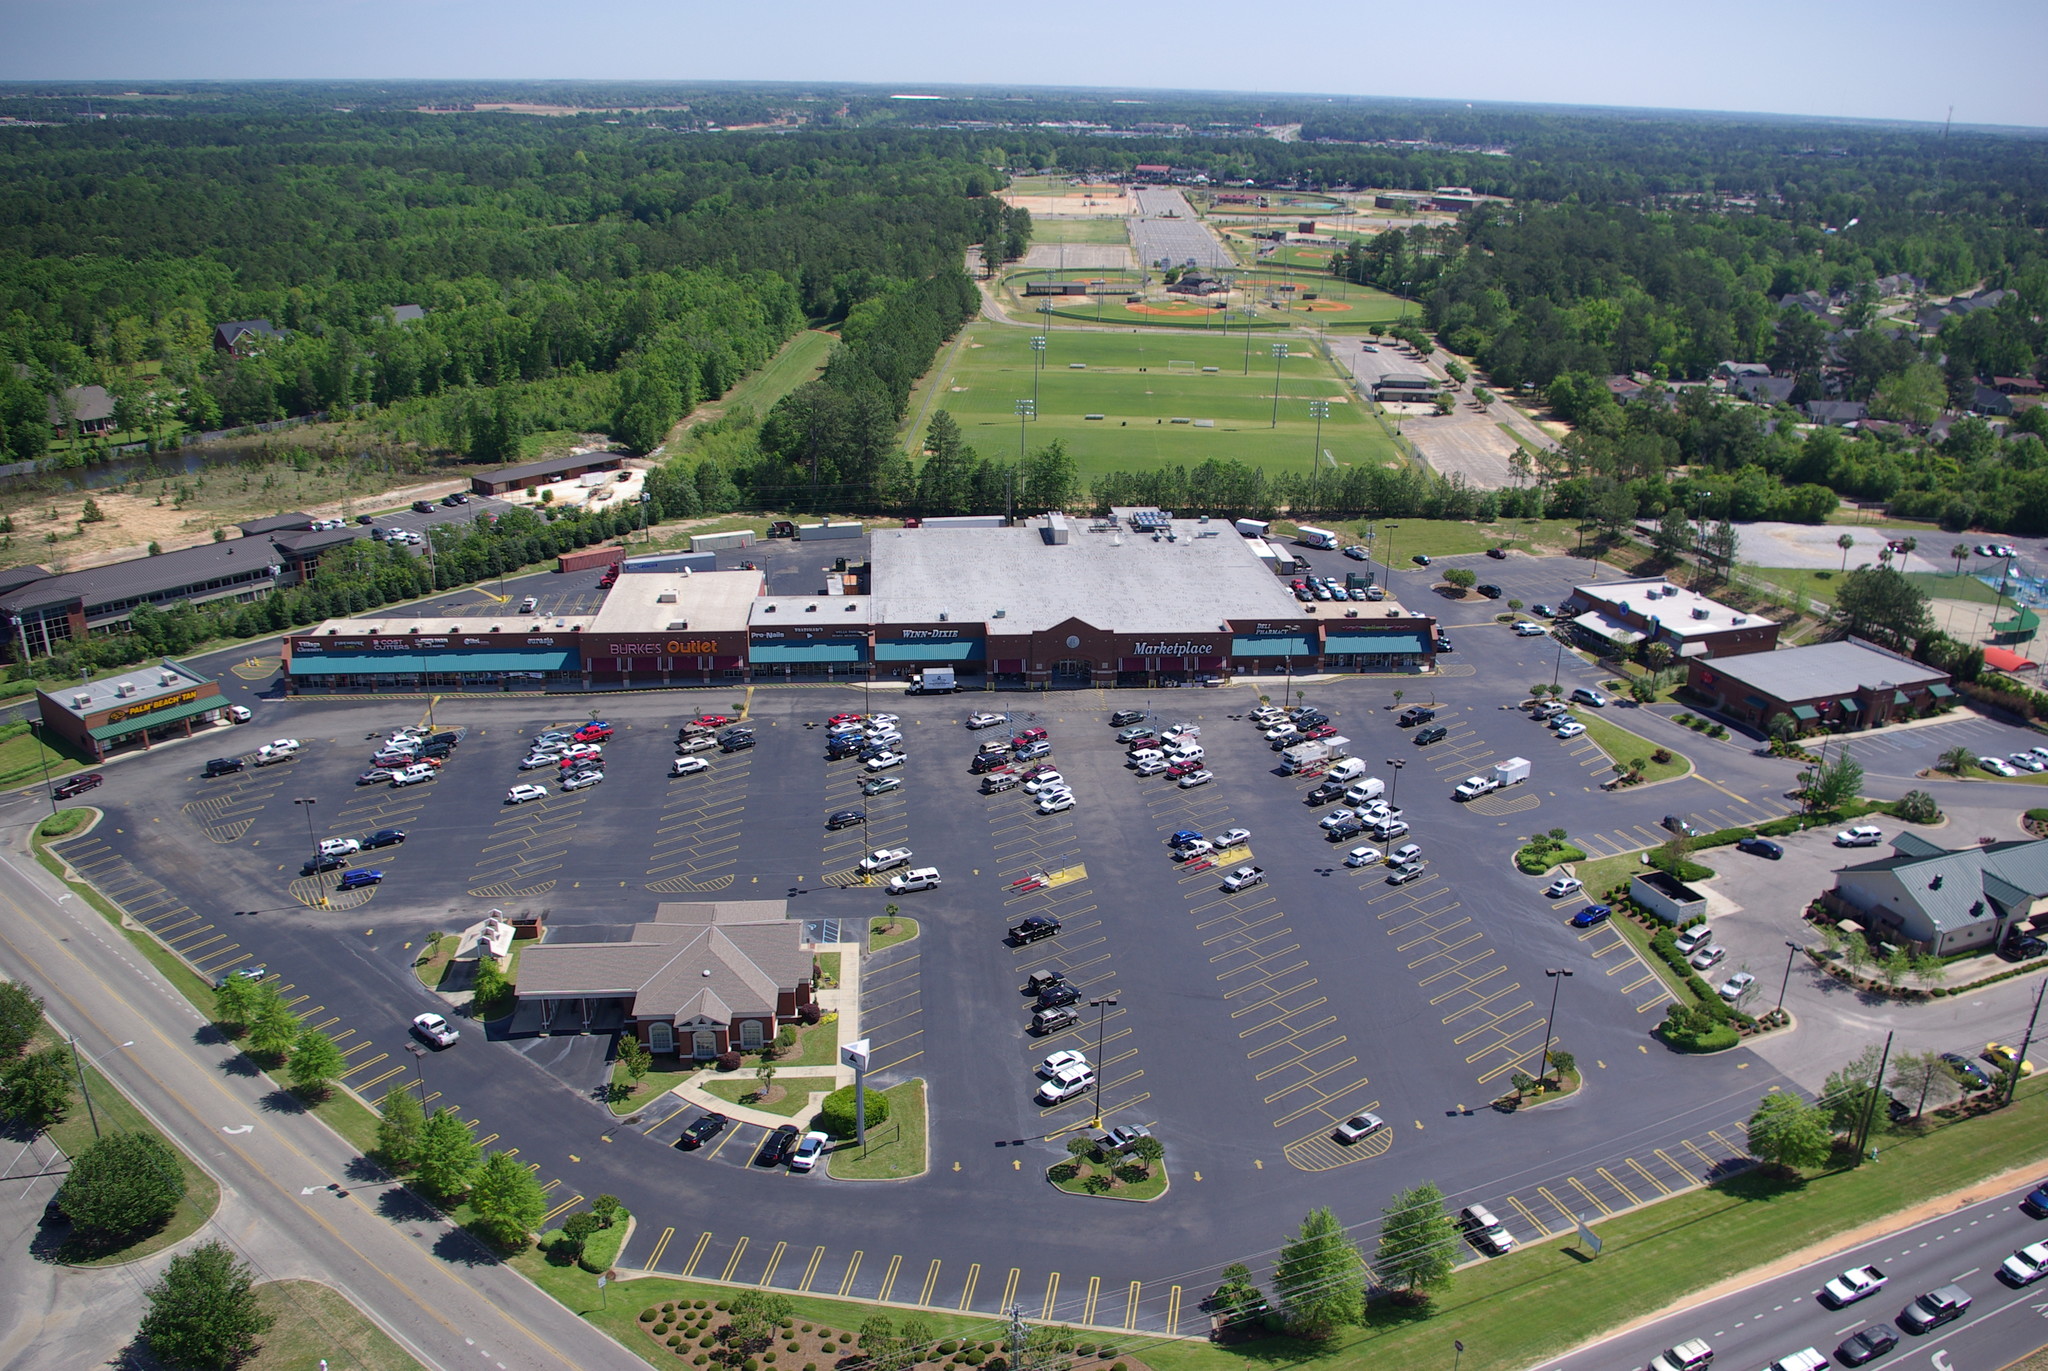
(319, 881)
(1557, 980)
(1026, 409)
(1395, 793)
(419, 1062)
(1792, 950)
(1101, 1008)
(1279, 356)
(36, 727)
(78, 1064)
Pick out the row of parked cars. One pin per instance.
(1309, 588)
(577, 756)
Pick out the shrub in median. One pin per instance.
(835, 1115)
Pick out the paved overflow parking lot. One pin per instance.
(1246, 1024)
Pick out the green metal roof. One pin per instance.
(1940, 691)
(1805, 712)
(138, 722)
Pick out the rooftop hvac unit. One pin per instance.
(167, 678)
(666, 597)
(124, 689)
(1699, 612)
(1742, 618)
(81, 700)
(1001, 613)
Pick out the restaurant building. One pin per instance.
(132, 711)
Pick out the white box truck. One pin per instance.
(1252, 528)
(1314, 537)
(1303, 755)
(1513, 771)
(934, 680)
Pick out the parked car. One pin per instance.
(1419, 559)
(1563, 886)
(1358, 1127)
(1672, 823)
(1586, 695)
(1592, 914)
(701, 1130)
(881, 785)
(1406, 872)
(1490, 592)
(1126, 716)
(1863, 835)
(340, 847)
(314, 866)
(1761, 847)
(1055, 801)
(1435, 733)
(739, 743)
(436, 1030)
(809, 1148)
(1998, 766)
(1736, 986)
(222, 766)
(882, 761)
(2002, 1057)
(1195, 778)
(981, 721)
(385, 837)
(1707, 957)
(885, 859)
(1975, 1076)
(1231, 837)
(1072, 1080)
(596, 731)
(1569, 729)
(241, 973)
(688, 766)
(920, 878)
(1052, 1018)
(520, 794)
(1526, 629)
(1364, 856)
(1034, 928)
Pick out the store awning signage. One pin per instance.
(1939, 691)
(1389, 643)
(1280, 645)
(1850, 705)
(135, 723)
(1805, 712)
(439, 663)
(956, 650)
(1755, 701)
(808, 654)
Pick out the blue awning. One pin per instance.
(1392, 643)
(802, 654)
(415, 663)
(1283, 645)
(957, 650)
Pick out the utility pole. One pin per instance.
(1026, 409)
(1101, 1008)
(2026, 1041)
(1877, 1089)
(1318, 410)
(78, 1065)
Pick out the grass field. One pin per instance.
(800, 360)
(1127, 380)
(315, 1321)
(1623, 747)
(1044, 230)
(1401, 539)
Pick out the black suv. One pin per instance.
(315, 865)
(223, 766)
(1126, 716)
(1057, 996)
(385, 837)
(1490, 592)
(846, 818)
(1435, 733)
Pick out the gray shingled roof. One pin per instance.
(1823, 670)
(144, 576)
(549, 466)
(716, 959)
(89, 404)
(272, 523)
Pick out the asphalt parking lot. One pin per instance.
(1245, 1026)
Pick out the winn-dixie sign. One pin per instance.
(183, 697)
(674, 647)
(1173, 649)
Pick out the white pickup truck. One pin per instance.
(885, 858)
(1852, 1285)
(278, 751)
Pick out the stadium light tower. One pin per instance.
(1026, 409)
(1318, 410)
(1038, 349)
(1279, 356)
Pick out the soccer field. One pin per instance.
(1129, 379)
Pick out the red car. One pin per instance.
(1321, 731)
(595, 732)
(718, 720)
(1179, 769)
(1043, 768)
(714, 720)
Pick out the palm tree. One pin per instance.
(1845, 542)
(1956, 760)
(1960, 551)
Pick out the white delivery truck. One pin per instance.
(1253, 528)
(934, 680)
(1304, 755)
(1314, 537)
(1513, 771)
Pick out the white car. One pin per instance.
(2027, 761)
(577, 780)
(885, 737)
(1998, 766)
(1563, 886)
(921, 878)
(1336, 818)
(699, 742)
(534, 761)
(277, 750)
(412, 775)
(1051, 780)
(1067, 1082)
(1188, 851)
(1364, 856)
(689, 766)
(1195, 778)
(1525, 629)
(1244, 878)
(1863, 835)
(1696, 936)
(1182, 733)
(1144, 755)
(1570, 728)
(240, 714)
(1232, 837)
(1052, 802)
(808, 1149)
(1713, 954)
(436, 1029)
(1151, 766)
(339, 847)
(1736, 986)
(885, 858)
(1275, 734)
(1186, 752)
(1359, 1126)
(520, 794)
(1060, 1061)
(883, 720)
(979, 721)
(885, 761)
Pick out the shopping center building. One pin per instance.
(1139, 599)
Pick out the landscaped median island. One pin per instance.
(1546, 850)
(1626, 749)
(1127, 1167)
(896, 1147)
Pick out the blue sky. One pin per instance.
(1888, 59)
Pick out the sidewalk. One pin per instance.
(842, 999)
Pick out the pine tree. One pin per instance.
(399, 1123)
(448, 1157)
(508, 1201)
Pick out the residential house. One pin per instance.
(408, 314)
(1764, 390)
(1834, 413)
(82, 412)
(700, 979)
(1730, 372)
(244, 337)
(2017, 385)
(1936, 900)
(1985, 400)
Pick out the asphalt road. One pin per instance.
(1246, 1026)
(1782, 1315)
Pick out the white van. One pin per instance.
(1349, 769)
(1366, 791)
(1807, 1360)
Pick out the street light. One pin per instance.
(1279, 356)
(1557, 980)
(35, 726)
(1026, 409)
(419, 1061)
(1793, 951)
(314, 843)
(1395, 793)
(1038, 351)
(1318, 410)
(1101, 1020)
(79, 1064)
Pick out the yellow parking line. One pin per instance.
(1577, 1185)
(1131, 1307)
(889, 1278)
(803, 1286)
(732, 1263)
(931, 1278)
(1530, 1215)
(1705, 1160)
(774, 1260)
(1009, 1289)
(852, 1269)
(1644, 1173)
(565, 1204)
(690, 1267)
(660, 1246)
(1614, 1181)
(967, 1295)
(1665, 1157)
(1088, 1303)
(1052, 1291)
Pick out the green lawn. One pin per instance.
(1622, 746)
(800, 360)
(1151, 1188)
(1127, 380)
(795, 1098)
(1936, 586)
(1602, 874)
(1403, 538)
(653, 1085)
(315, 1321)
(1101, 229)
(901, 929)
(24, 757)
(896, 1149)
(1820, 584)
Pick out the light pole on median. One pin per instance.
(319, 876)
(35, 726)
(1557, 980)
(1792, 950)
(1395, 793)
(79, 1064)
(1101, 1008)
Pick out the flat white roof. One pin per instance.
(811, 611)
(1676, 610)
(1120, 581)
(705, 601)
(129, 688)
(393, 626)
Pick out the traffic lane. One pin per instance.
(1780, 1315)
